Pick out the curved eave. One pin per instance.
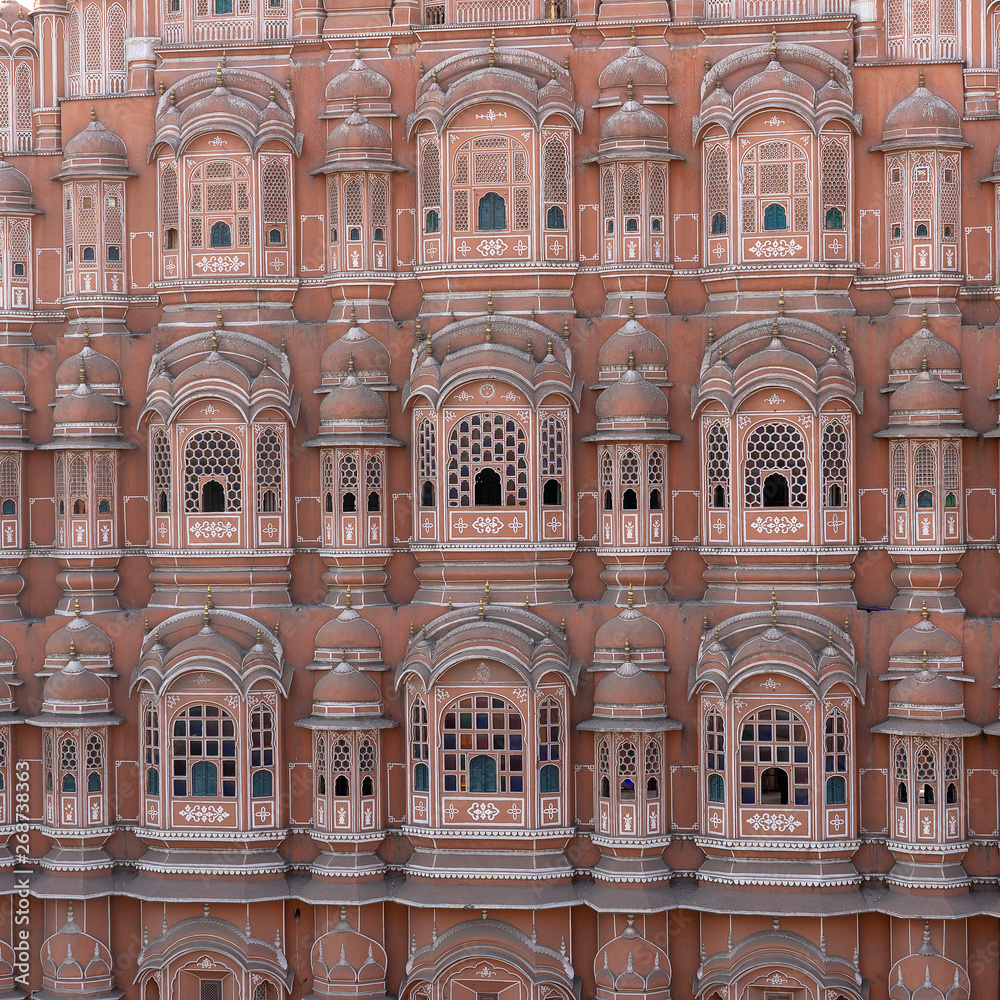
(992, 729)
(373, 165)
(929, 431)
(347, 723)
(353, 438)
(86, 443)
(97, 173)
(923, 142)
(16, 445)
(927, 727)
(625, 725)
(620, 156)
(82, 721)
(633, 435)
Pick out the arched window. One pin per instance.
(548, 779)
(274, 198)
(212, 459)
(367, 759)
(378, 202)
(426, 438)
(552, 440)
(774, 759)
(555, 218)
(262, 748)
(160, 452)
(319, 764)
(627, 771)
(950, 469)
(775, 473)
(492, 212)
(488, 441)
(373, 483)
(489, 724)
(549, 744)
(715, 756)
(104, 483)
(775, 217)
(430, 184)
(222, 235)
(10, 489)
(717, 464)
(268, 461)
(774, 186)
(432, 221)
(94, 763)
(340, 767)
(78, 485)
(219, 204)
(608, 200)
(836, 791)
(899, 475)
(923, 475)
(901, 772)
(925, 775)
(203, 743)
(555, 181)
(421, 778)
(834, 464)
(169, 206)
(717, 176)
(349, 483)
(834, 166)
(262, 784)
(652, 769)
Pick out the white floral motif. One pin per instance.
(210, 529)
(774, 399)
(774, 248)
(777, 525)
(484, 971)
(487, 389)
(483, 811)
(219, 264)
(204, 814)
(491, 248)
(774, 822)
(776, 979)
(487, 525)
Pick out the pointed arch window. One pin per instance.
(427, 462)
(212, 473)
(835, 458)
(10, 486)
(203, 750)
(775, 471)
(419, 746)
(774, 759)
(151, 750)
(717, 174)
(269, 470)
(219, 205)
(488, 461)
(483, 742)
(717, 464)
(715, 756)
(550, 736)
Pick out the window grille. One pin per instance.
(366, 756)
(152, 741)
(951, 770)
(19, 233)
(949, 194)
(203, 743)
(333, 207)
(262, 751)
(522, 208)
(320, 763)
(627, 761)
(116, 47)
(629, 469)
(461, 201)
(922, 190)
(835, 745)
(60, 478)
(901, 763)
(520, 168)
(834, 169)
(168, 197)
(430, 174)
(24, 93)
(715, 742)
(9, 479)
(899, 469)
(897, 198)
(348, 472)
(631, 192)
(161, 469)
(373, 473)
(95, 753)
(718, 185)
(552, 436)
(488, 441)
(773, 447)
(656, 191)
(718, 462)
(379, 196)
(608, 195)
(555, 171)
(67, 755)
(210, 989)
(483, 743)
(341, 756)
(926, 766)
(269, 470)
(92, 38)
(923, 468)
(274, 181)
(461, 172)
(104, 483)
(212, 455)
(87, 215)
(419, 746)
(652, 758)
(549, 731)
(774, 759)
(949, 467)
(77, 478)
(5, 121)
(834, 462)
(607, 470)
(654, 473)
(426, 450)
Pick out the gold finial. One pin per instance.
(629, 89)
(76, 607)
(628, 651)
(548, 347)
(833, 73)
(430, 348)
(925, 659)
(86, 335)
(833, 350)
(923, 364)
(532, 314)
(419, 331)
(223, 60)
(843, 333)
(920, 82)
(283, 346)
(774, 607)
(486, 592)
(711, 334)
(434, 74)
(708, 64)
(412, 632)
(566, 329)
(173, 98)
(450, 604)
(774, 331)
(632, 35)
(527, 603)
(493, 43)
(774, 43)
(93, 113)
(489, 303)
(271, 92)
(829, 636)
(716, 633)
(562, 625)
(631, 360)
(357, 49)
(923, 318)
(208, 597)
(350, 364)
(489, 329)
(846, 58)
(631, 307)
(423, 632)
(781, 302)
(218, 318)
(83, 373)
(145, 625)
(354, 103)
(218, 75)
(161, 88)
(630, 600)
(72, 649)
(566, 62)
(347, 597)
(923, 610)
(205, 613)
(482, 610)
(704, 624)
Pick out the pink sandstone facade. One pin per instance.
(369, 625)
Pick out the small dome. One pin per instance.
(346, 686)
(632, 397)
(633, 338)
(358, 80)
(910, 354)
(11, 381)
(95, 141)
(629, 687)
(926, 689)
(348, 631)
(99, 369)
(920, 117)
(353, 402)
(369, 354)
(15, 189)
(633, 627)
(10, 415)
(644, 71)
(925, 637)
(84, 406)
(633, 122)
(356, 137)
(74, 685)
(924, 392)
(86, 638)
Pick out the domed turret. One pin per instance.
(16, 196)
(370, 356)
(346, 691)
(349, 637)
(924, 348)
(74, 691)
(629, 692)
(353, 405)
(94, 152)
(921, 120)
(925, 643)
(633, 340)
(632, 398)
(644, 637)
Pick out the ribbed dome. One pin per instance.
(633, 122)
(358, 80)
(15, 189)
(628, 687)
(347, 686)
(99, 369)
(633, 627)
(632, 397)
(645, 347)
(643, 70)
(921, 116)
(11, 381)
(84, 406)
(87, 640)
(357, 136)
(910, 354)
(925, 637)
(74, 685)
(352, 401)
(927, 689)
(348, 631)
(925, 392)
(369, 354)
(94, 141)
(10, 415)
